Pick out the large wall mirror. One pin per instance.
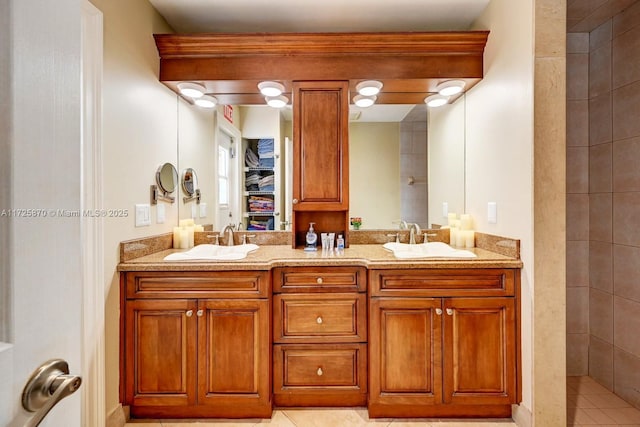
(406, 163)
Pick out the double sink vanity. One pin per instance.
(282, 327)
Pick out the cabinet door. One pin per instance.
(479, 351)
(234, 354)
(320, 150)
(160, 337)
(405, 351)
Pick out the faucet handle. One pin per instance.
(427, 235)
(214, 236)
(246, 236)
(396, 235)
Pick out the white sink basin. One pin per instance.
(427, 250)
(213, 253)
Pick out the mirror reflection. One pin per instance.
(406, 162)
(189, 181)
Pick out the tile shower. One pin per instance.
(603, 198)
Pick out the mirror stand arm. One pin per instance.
(195, 196)
(157, 195)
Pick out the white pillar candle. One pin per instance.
(460, 238)
(451, 217)
(469, 239)
(453, 231)
(184, 238)
(465, 222)
(176, 237)
(198, 227)
(190, 230)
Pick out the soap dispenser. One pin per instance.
(312, 239)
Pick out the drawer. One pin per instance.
(319, 317)
(319, 279)
(309, 367)
(445, 282)
(194, 284)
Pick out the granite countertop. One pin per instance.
(269, 256)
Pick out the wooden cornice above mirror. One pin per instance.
(410, 65)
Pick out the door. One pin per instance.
(479, 351)
(405, 351)
(40, 255)
(234, 356)
(161, 351)
(228, 203)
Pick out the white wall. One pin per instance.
(374, 173)
(499, 145)
(446, 136)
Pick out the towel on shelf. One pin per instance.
(251, 159)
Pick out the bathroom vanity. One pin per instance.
(406, 338)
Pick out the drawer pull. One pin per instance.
(189, 313)
(319, 372)
(319, 320)
(438, 311)
(319, 280)
(199, 313)
(450, 311)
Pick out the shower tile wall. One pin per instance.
(603, 185)
(413, 162)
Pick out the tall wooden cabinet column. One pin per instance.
(320, 158)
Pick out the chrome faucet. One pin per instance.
(413, 230)
(228, 231)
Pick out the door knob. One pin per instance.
(47, 386)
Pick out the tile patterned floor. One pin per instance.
(588, 404)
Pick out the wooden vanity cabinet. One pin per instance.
(320, 336)
(320, 157)
(443, 343)
(196, 344)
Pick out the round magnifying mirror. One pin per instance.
(189, 181)
(167, 178)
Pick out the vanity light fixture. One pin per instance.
(271, 88)
(369, 87)
(206, 101)
(192, 90)
(436, 100)
(450, 87)
(364, 101)
(277, 101)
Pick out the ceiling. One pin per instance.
(256, 16)
(242, 16)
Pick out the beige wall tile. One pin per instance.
(601, 315)
(577, 354)
(578, 43)
(578, 76)
(600, 130)
(600, 71)
(626, 272)
(578, 169)
(627, 377)
(578, 310)
(600, 217)
(600, 175)
(627, 325)
(600, 36)
(577, 263)
(626, 174)
(577, 123)
(577, 217)
(626, 217)
(601, 362)
(626, 58)
(626, 110)
(628, 19)
(601, 266)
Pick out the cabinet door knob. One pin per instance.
(450, 311)
(319, 320)
(319, 372)
(295, 201)
(319, 280)
(438, 311)
(189, 313)
(199, 313)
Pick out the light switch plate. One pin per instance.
(445, 210)
(203, 210)
(143, 214)
(160, 213)
(492, 213)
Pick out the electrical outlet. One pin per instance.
(445, 210)
(143, 214)
(160, 213)
(203, 210)
(492, 213)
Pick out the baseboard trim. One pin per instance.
(118, 417)
(521, 416)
